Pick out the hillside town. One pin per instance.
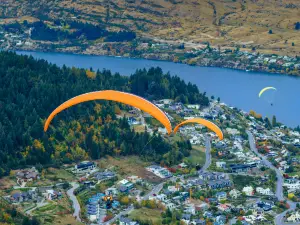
(13, 37)
(251, 177)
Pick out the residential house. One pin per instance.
(125, 185)
(186, 218)
(249, 191)
(198, 183)
(219, 184)
(16, 197)
(85, 167)
(224, 207)
(210, 176)
(198, 222)
(171, 206)
(294, 218)
(263, 191)
(159, 171)
(93, 211)
(234, 194)
(208, 214)
(221, 196)
(27, 175)
(193, 106)
(221, 219)
(127, 221)
(133, 121)
(202, 207)
(173, 188)
(190, 209)
(111, 190)
(104, 175)
(134, 179)
(52, 195)
(240, 168)
(23, 196)
(221, 165)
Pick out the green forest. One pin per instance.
(31, 89)
(70, 30)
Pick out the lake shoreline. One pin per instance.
(235, 87)
(158, 57)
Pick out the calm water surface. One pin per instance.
(234, 87)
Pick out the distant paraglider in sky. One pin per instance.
(117, 96)
(203, 122)
(266, 89)
(270, 97)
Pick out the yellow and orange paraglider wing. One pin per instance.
(117, 96)
(203, 122)
(265, 89)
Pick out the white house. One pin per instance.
(295, 217)
(161, 197)
(171, 206)
(234, 193)
(221, 165)
(193, 106)
(263, 191)
(173, 188)
(162, 130)
(248, 190)
(295, 186)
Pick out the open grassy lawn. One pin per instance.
(59, 174)
(52, 176)
(197, 156)
(130, 165)
(145, 214)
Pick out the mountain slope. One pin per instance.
(221, 22)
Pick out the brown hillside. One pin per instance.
(221, 22)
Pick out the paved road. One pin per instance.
(155, 190)
(127, 211)
(279, 186)
(207, 154)
(73, 198)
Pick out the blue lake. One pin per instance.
(235, 88)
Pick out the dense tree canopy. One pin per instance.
(31, 89)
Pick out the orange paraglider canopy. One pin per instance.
(204, 122)
(117, 96)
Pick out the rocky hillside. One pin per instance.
(268, 25)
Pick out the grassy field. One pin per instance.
(145, 214)
(197, 156)
(130, 165)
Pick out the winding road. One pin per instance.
(207, 154)
(73, 198)
(279, 186)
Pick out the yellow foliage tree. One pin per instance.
(117, 110)
(124, 200)
(90, 74)
(38, 145)
(291, 195)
